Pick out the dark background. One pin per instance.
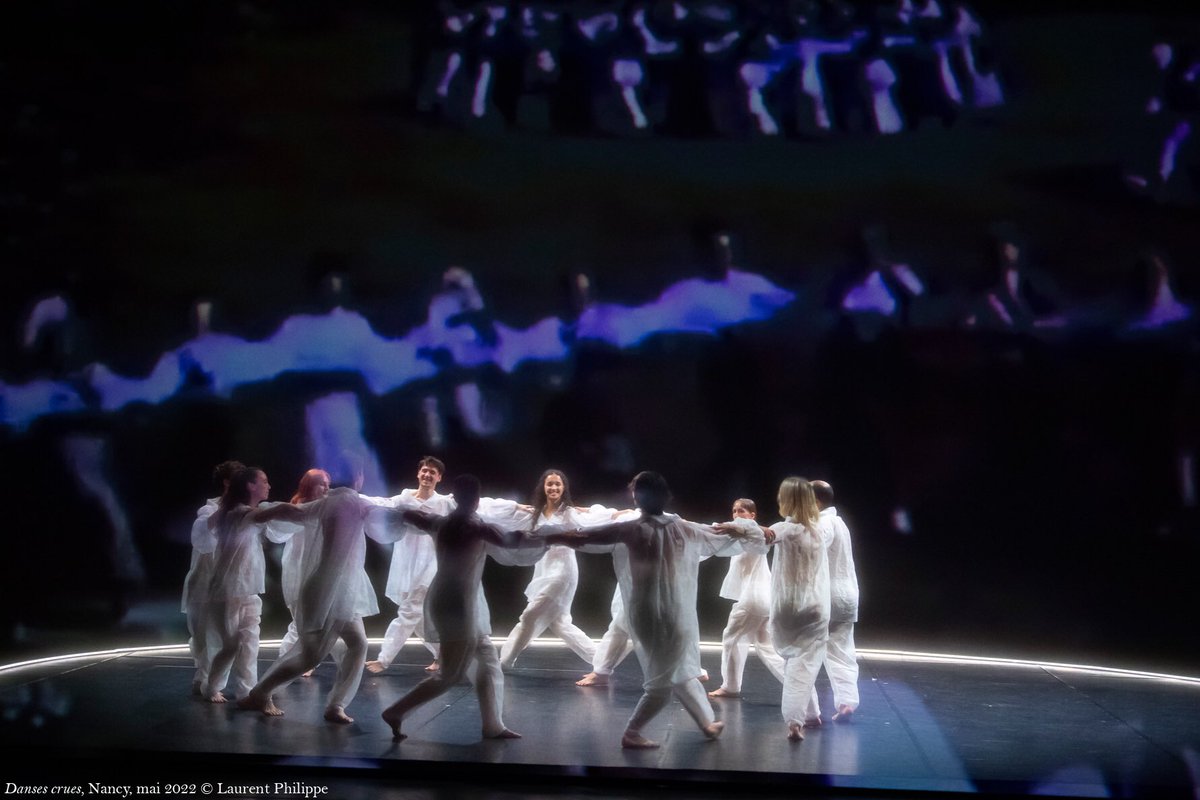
(155, 154)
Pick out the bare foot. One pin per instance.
(635, 741)
(504, 734)
(812, 722)
(434, 667)
(844, 713)
(308, 674)
(723, 692)
(252, 703)
(713, 730)
(217, 697)
(337, 714)
(393, 721)
(592, 679)
(375, 667)
(795, 732)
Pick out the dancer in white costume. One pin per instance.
(314, 484)
(841, 662)
(661, 556)
(748, 582)
(457, 614)
(195, 584)
(335, 595)
(238, 579)
(556, 575)
(413, 567)
(799, 620)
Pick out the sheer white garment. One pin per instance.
(843, 578)
(413, 561)
(748, 580)
(334, 587)
(195, 584)
(239, 564)
(656, 559)
(800, 587)
(455, 606)
(556, 574)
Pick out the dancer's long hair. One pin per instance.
(540, 502)
(796, 500)
(307, 489)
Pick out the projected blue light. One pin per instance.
(343, 341)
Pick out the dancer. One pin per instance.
(658, 576)
(195, 584)
(314, 484)
(238, 579)
(841, 664)
(556, 575)
(748, 582)
(799, 621)
(615, 645)
(413, 567)
(457, 611)
(335, 595)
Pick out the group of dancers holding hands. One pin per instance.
(798, 612)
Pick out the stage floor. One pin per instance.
(926, 725)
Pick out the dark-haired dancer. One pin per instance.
(413, 567)
(656, 558)
(457, 613)
(239, 578)
(556, 574)
(195, 584)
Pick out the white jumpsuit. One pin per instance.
(799, 621)
(748, 582)
(841, 662)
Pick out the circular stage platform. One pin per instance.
(105, 722)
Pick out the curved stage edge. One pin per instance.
(929, 724)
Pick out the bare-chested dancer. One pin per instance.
(457, 611)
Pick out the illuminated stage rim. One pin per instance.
(866, 654)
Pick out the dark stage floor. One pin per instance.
(926, 726)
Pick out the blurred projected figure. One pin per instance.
(446, 88)
(414, 563)
(89, 461)
(460, 338)
(199, 575)
(1173, 112)
(1021, 300)
(886, 294)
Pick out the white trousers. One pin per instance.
(742, 630)
(799, 679)
(544, 613)
(690, 693)
(614, 646)
(234, 622)
(841, 665)
(410, 619)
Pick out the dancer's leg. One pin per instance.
(350, 658)
(695, 702)
(489, 688)
(455, 657)
(651, 703)
(734, 649)
(245, 662)
(841, 664)
(574, 637)
(534, 619)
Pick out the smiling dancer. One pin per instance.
(413, 567)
